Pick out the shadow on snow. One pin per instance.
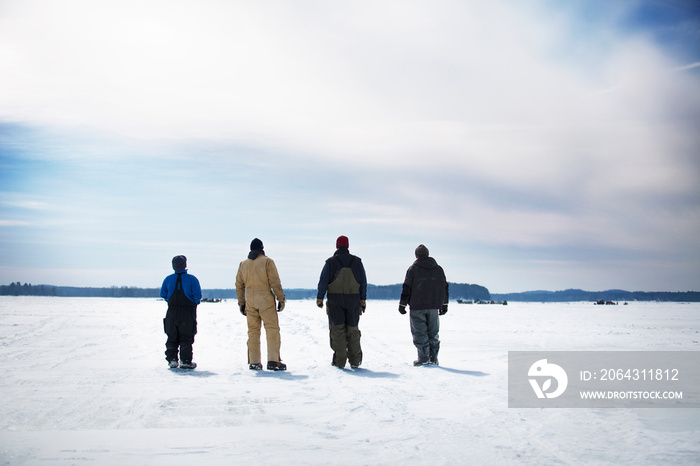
(459, 371)
(194, 373)
(280, 375)
(361, 372)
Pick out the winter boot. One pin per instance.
(337, 364)
(421, 362)
(255, 366)
(276, 366)
(173, 364)
(188, 365)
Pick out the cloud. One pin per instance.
(13, 223)
(388, 84)
(486, 124)
(25, 204)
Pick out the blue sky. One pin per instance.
(530, 145)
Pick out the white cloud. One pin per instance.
(13, 223)
(498, 123)
(395, 83)
(25, 204)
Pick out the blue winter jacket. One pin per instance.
(190, 286)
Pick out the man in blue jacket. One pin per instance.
(183, 294)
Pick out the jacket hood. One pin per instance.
(255, 253)
(426, 263)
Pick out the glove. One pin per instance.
(280, 306)
(242, 308)
(402, 308)
(319, 302)
(443, 311)
(363, 306)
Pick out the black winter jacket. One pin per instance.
(425, 286)
(342, 258)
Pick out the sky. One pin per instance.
(537, 145)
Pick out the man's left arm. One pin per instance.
(164, 289)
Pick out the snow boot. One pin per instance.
(173, 364)
(276, 366)
(255, 366)
(188, 365)
(421, 362)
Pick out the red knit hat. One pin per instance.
(342, 241)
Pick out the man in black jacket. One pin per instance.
(426, 291)
(343, 277)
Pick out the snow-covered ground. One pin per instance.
(85, 381)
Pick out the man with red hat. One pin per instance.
(343, 278)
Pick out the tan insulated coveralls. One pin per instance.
(256, 281)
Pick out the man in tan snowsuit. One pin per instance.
(256, 281)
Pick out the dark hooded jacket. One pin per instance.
(425, 286)
(342, 259)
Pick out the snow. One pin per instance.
(84, 380)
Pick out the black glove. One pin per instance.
(443, 311)
(242, 308)
(402, 308)
(363, 306)
(280, 306)
(319, 302)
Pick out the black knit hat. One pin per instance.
(256, 245)
(421, 251)
(179, 263)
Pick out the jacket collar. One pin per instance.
(255, 253)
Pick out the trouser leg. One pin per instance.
(272, 333)
(353, 335)
(171, 347)
(173, 342)
(433, 334)
(186, 341)
(419, 330)
(254, 326)
(339, 344)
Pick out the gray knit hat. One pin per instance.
(179, 263)
(421, 251)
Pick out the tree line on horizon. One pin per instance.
(572, 295)
(388, 292)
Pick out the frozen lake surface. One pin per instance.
(84, 381)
